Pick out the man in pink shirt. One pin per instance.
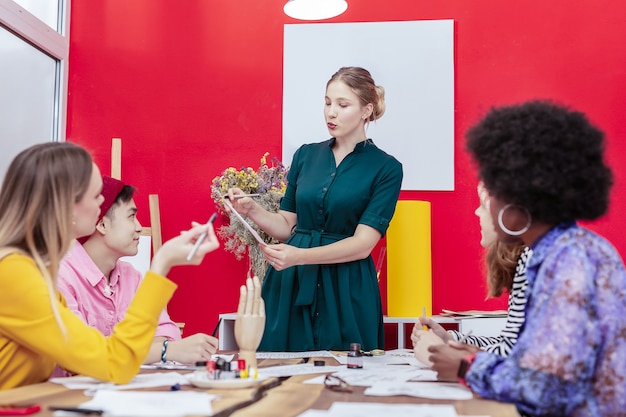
(99, 287)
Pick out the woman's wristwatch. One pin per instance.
(466, 362)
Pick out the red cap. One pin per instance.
(111, 188)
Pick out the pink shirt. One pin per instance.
(100, 305)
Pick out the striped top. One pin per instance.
(503, 344)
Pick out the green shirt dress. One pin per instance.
(327, 307)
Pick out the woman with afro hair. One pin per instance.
(543, 167)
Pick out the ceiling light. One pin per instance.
(314, 9)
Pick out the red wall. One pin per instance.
(194, 87)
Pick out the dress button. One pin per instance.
(320, 211)
(332, 175)
(324, 189)
(317, 314)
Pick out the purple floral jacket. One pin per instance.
(570, 358)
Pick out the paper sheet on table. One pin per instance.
(299, 369)
(245, 223)
(391, 357)
(315, 413)
(294, 355)
(433, 390)
(354, 409)
(227, 358)
(169, 366)
(367, 377)
(173, 365)
(157, 379)
(395, 357)
(152, 404)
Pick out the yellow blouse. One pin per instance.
(32, 343)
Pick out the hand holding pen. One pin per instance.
(241, 196)
(176, 250)
(201, 238)
(239, 201)
(426, 323)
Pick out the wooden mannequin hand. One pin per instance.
(250, 321)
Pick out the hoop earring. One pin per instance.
(509, 231)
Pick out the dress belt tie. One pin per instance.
(309, 274)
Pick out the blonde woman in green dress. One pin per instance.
(321, 290)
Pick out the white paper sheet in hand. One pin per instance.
(245, 223)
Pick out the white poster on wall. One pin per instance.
(413, 61)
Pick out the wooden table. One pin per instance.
(47, 394)
(292, 398)
(286, 397)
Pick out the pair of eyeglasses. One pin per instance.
(335, 383)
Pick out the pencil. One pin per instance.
(242, 195)
(424, 327)
(76, 410)
(217, 327)
(465, 336)
(200, 239)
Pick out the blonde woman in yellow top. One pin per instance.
(50, 196)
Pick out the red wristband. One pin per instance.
(466, 362)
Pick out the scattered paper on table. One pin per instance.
(169, 365)
(294, 355)
(433, 390)
(157, 379)
(152, 404)
(354, 409)
(299, 369)
(227, 358)
(366, 377)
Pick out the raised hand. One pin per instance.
(250, 321)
